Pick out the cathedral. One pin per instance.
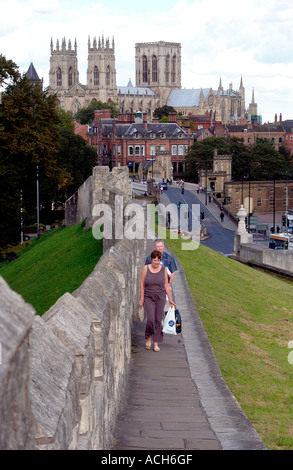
(158, 83)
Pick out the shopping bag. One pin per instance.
(169, 325)
(178, 321)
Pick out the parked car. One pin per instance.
(163, 185)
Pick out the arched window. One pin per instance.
(167, 68)
(70, 76)
(59, 77)
(108, 73)
(144, 69)
(154, 69)
(173, 76)
(96, 76)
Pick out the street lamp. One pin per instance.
(38, 205)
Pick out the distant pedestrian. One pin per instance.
(222, 216)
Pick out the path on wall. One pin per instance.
(177, 398)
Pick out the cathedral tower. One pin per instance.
(63, 72)
(158, 66)
(101, 71)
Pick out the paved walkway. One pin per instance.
(177, 398)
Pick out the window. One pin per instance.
(271, 201)
(163, 135)
(154, 69)
(167, 68)
(174, 149)
(96, 76)
(237, 203)
(70, 77)
(180, 150)
(259, 202)
(119, 150)
(163, 148)
(142, 150)
(173, 75)
(137, 150)
(108, 73)
(130, 150)
(152, 150)
(144, 69)
(59, 77)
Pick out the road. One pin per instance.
(220, 239)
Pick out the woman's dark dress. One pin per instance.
(154, 302)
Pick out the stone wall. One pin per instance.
(274, 260)
(63, 376)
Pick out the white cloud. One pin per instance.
(226, 40)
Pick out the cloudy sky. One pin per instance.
(223, 39)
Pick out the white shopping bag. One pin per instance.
(169, 325)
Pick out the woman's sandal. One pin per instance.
(156, 349)
(148, 344)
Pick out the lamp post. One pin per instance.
(38, 205)
(21, 219)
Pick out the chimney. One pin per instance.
(145, 120)
(276, 118)
(102, 113)
(187, 125)
(172, 117)
(281, 117)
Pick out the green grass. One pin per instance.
(56, 263)
(247, 315)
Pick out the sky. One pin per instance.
(226, 40)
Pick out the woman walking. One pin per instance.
(154, 286)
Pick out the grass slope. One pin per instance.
(247, 315)
(56, 263)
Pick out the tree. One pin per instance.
(266, 162)
(77, 158)
(8, 71)
(86, 115)
(164, 111)
(200, 156)
(29, 138)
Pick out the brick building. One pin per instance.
(131, 140)
(259, 196)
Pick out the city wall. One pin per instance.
(63, 376)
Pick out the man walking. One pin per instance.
(167, 260)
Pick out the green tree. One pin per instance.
(8, 71)
(77, 158)
(266, 162)
(200, 156)
(86, 115)
(29, 138)
(163, 111)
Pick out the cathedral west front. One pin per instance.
(158, 82)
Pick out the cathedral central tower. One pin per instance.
(158, 66)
